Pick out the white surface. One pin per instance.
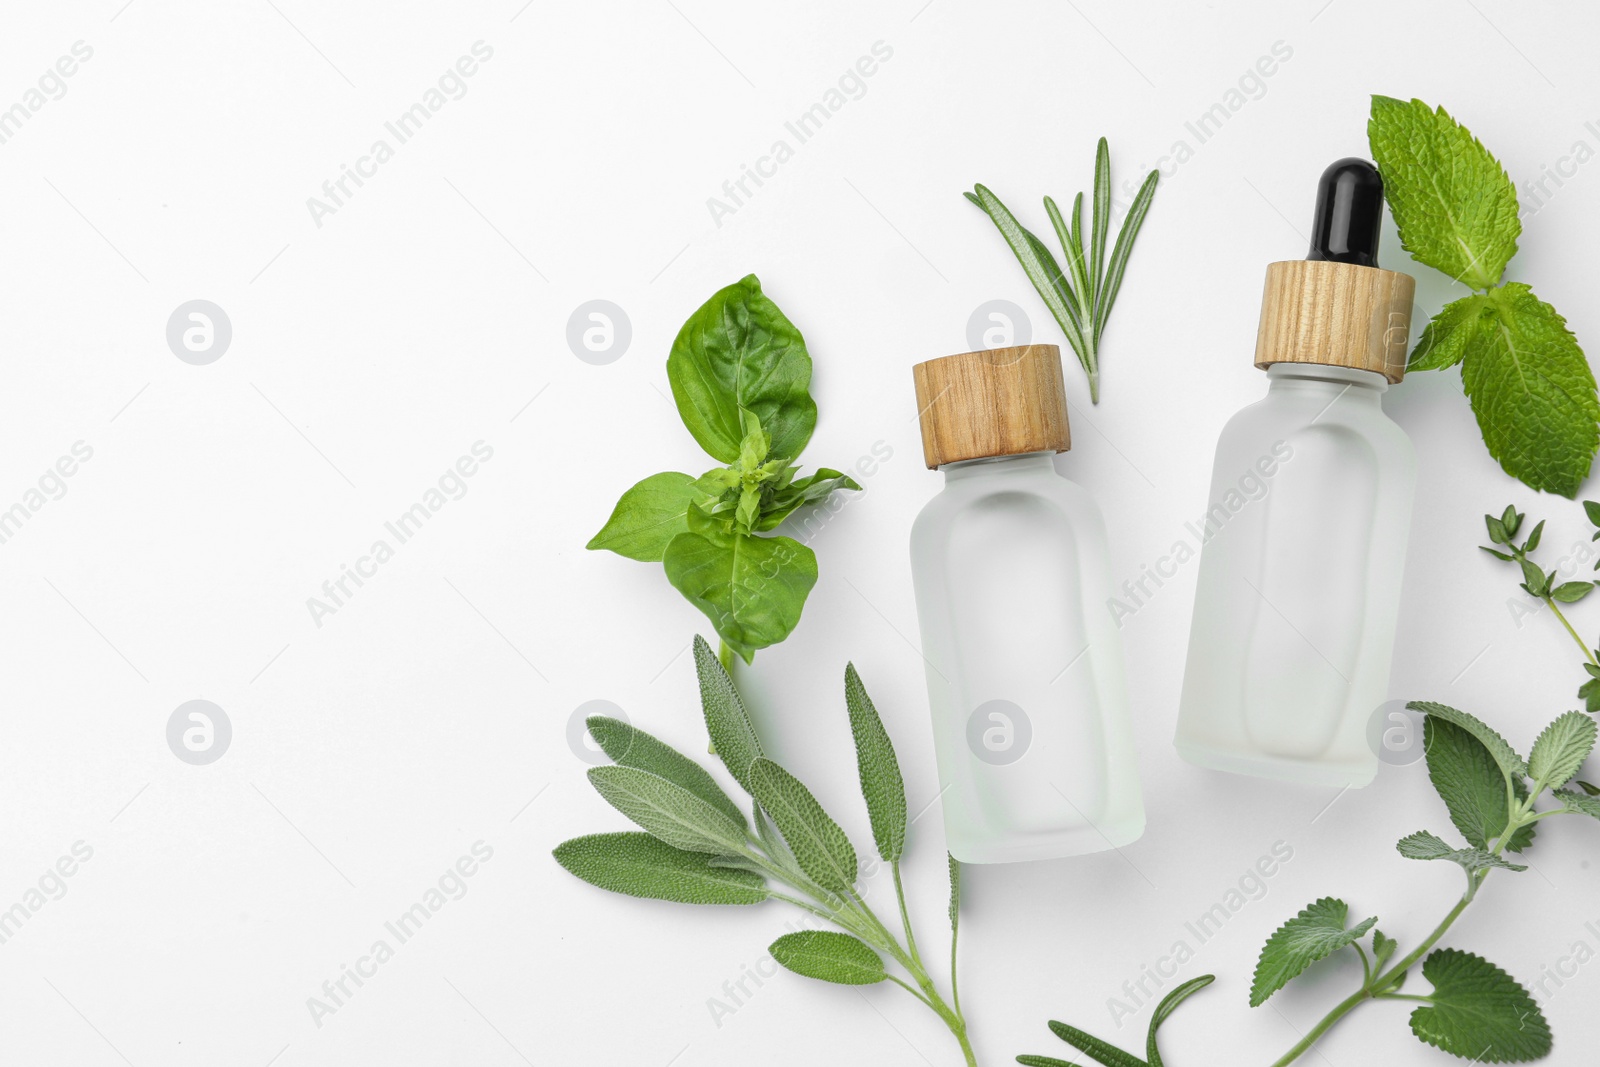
(371, 753)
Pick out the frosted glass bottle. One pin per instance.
(1298, 591)
(1023, 662)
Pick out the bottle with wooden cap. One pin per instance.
(1304, 535)
(1024, 663)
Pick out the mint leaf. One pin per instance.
(639, 865)
(1471, 785)
(727, 722)
(738, 351)
(1317, 932)
(668, 811)
(1561, 749)
(1578, 803)
(751, 588)
(879, 770)
(647, 517)
(1532, 392)
(1445, 338)
(1478, 1011)
(1452, 201)
(1500, 750)
(1164, 1010)
(1383, 947)
(820, 847)
(1425, 846)
(631, 747)
(829, 957)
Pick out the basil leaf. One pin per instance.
(803, 493)
(639, 865)
(648, 516)
(738, 351)
(829, 957)
(751, 588)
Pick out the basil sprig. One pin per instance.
(741, 377)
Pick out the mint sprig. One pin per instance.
(1528, 381)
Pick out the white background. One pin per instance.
(430, 313)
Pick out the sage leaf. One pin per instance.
(1087, 1043)
(1479, 1012)
(820, 847)
(668, 811)
(1452, 201)
(738, 351)
(1533, 393)
(640, 865)
(1511, 764)
(879, 770)
(1472, 786)
(751, 588)
(1425, 846)
(727, 722)
(648, 516)
(1561, 749)
(630, 746)
(829, 957)
(1164, 1010)
(1317, 932)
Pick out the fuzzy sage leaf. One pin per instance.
(639, 865)
(820, 847)
(630, 746)
(668, 811)
(829, 957)
(879, 770)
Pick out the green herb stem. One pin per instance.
(1588, 654)
(1346, 1006)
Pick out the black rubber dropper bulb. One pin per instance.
(1349, 214)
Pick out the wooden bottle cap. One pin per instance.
(1336, 314)
(998, 402)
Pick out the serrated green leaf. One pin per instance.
(1503, 754)
(1470, 783)
(1164, 1010)
(629, 746)
(1479, 1012)
(1452, 201)
(878, 769)
(1444, 340)
(1317, 932)
(820, 847)
(1561, 749)
(1087, 1043)
(829, 956)
(1425, 846)
(1589, 693)
(640, 865)
(1383, 948)
(1579, 803)
(738, 351)
(1533, 393)
(668, 811)
(727, 722)
(649, 515)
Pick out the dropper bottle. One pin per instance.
(1305, 529)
